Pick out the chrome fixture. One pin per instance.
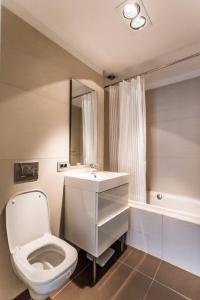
(93, 170)
(138, 22)
(159, 196)
(131, 10)
(25, 171)
(134, 13)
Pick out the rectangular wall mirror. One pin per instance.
(83, 124)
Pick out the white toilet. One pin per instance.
(42, 261)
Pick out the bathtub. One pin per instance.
(168, 228)
(176, 205)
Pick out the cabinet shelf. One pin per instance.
(102, 217)
(112, 216)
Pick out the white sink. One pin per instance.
(98, 182)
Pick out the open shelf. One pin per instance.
(112, 216)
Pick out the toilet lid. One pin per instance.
(27, 218)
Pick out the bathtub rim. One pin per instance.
(172, 213)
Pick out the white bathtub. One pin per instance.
(179, 205)
(175, 206)
(168, 229)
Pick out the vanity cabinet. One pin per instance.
(96, 217)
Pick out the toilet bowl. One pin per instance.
(41, 260)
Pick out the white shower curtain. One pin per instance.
(132, 136)
(113, 127)
(89, 115)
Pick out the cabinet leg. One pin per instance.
(123, 242)
(94, 270)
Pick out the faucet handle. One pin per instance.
(93, 166)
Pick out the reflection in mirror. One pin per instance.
(83, 116)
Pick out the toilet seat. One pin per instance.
(41, 260)
(36, 276)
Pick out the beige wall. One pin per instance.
(34, 121)
(173, 138)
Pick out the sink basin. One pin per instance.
(99, 183)
(98, 176)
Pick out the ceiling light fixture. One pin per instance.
(138, 22)
(134, 14)
(131, 10)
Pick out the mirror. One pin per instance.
(83, 124)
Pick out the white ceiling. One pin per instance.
(93, 31)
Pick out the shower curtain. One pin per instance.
(113, 127)
(89, 115)
(132, 135)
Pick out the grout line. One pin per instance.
(173, 119)
(143, 274)
(145, 296)
(172, 157)
(169, 288)
(116, 267)
(154, 280)
(33, 91)
(16, 159)
(134, 269)
(58, 292)
(128, 254)
(123, 285)
(147, 291)
(68, 282)
(137, 271)
(157, 270)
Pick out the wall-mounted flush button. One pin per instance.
(25, 171)
(62, 166)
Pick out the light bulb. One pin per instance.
(131, 10)
(138, 22)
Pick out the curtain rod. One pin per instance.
(158, 68)
(81, 95)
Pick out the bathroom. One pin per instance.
(51, 55)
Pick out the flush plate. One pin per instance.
(25, 171)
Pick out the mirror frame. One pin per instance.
(70, 118)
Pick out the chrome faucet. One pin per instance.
(93, 170)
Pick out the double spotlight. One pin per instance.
(131, 11)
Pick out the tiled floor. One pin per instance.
(133, 275)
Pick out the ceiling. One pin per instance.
(93, 31)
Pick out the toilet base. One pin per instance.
(35, 296)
